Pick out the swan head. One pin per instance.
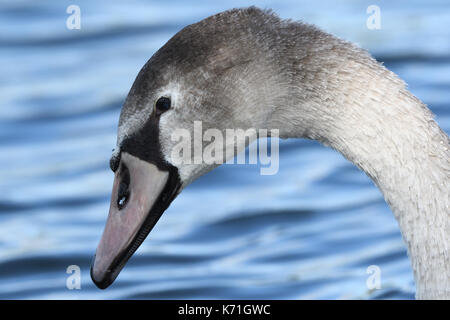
(211, 73)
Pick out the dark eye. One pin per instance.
(162, 104)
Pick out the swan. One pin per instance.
(248, 68)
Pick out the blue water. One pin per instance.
(309, 232)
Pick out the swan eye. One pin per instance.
(162, 104)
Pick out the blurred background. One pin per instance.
(309, 232)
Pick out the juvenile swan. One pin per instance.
(247, 68)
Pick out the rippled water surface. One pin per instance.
(310, 231)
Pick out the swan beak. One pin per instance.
(141, 192)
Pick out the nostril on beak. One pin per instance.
(122, 195)
(121, 202)
(123, 192)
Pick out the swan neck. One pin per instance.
(365, 112)
(406, 155)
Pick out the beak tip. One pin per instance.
(105, 281)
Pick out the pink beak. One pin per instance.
(137, 202)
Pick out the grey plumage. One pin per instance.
(247, 68)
